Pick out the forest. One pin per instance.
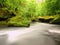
(23, 12)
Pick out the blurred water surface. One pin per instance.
(36, 34)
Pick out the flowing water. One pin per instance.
(36, 34)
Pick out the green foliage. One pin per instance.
(49, 7)
(56, 19)
(22, 12)
(19, 21)
(16, 11)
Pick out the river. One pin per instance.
(36, 34)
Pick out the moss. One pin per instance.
(18, 21)
(3, 23)
(56, 19)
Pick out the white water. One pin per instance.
(32, 35)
